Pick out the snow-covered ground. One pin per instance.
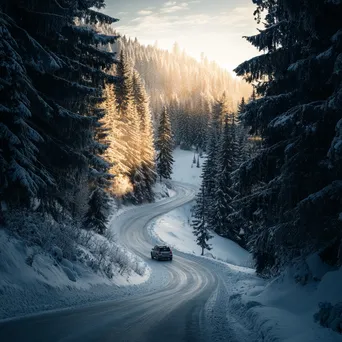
(282, 309)
(33, 280)
(243, 307)
(279, 310)
(174, 229)
(184, 170)
(161, 191)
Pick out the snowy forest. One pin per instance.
(92, 125)
(283, 201)
(89, 120)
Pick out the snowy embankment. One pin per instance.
(42, 272)
(286, 308)
(33, 280)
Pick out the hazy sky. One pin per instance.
(214, 27)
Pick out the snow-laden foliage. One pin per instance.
(164, 147)
(290, 191)
(52, 73)
(128, 134)
(199, 222)
(330, 316)
(224, 193)
(227, 147)
(143, 189)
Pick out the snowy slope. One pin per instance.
(32, 280)
(281, 309)
(174, 227)
(183, 168)
(175, 230)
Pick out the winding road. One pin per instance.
(187, 302)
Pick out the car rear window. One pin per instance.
(164, 249)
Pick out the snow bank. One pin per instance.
(286, 310)
(162, 190)
(33, 280)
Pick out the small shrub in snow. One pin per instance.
(29, 260)
(70, 274)
(110, 236)
(57, 253)
(330, 316)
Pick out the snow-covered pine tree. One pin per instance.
(144, 190)
(22, 177)
(253, 96)
(292, 187)
(222, 209)
(186, 129)
(175, 117)
(99, 176)
(245, 146)
(164, 147)
(199, 224)
(209, 173)
(130, 122)
(96, 216)
(60, 93)
(242, 106)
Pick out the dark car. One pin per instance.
(161, 253)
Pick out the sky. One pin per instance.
(214, 27)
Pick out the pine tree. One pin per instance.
(115, 154)
(164, 147)
(198, 162)
(242, 106)
(175, 118)
(199, 224)
(96, 216)
(129, 120)
(21, 175)
(223, 208)
(209, 173)
(243, 152)
(57, 96)
(292, 188)
(253, 96)
(144, 190)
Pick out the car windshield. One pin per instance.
(164, 249)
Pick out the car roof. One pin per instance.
(160, 246)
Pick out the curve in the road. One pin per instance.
(174, 309)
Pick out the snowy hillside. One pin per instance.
(174, 229)
(32, 279)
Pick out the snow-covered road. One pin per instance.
(184, 300)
